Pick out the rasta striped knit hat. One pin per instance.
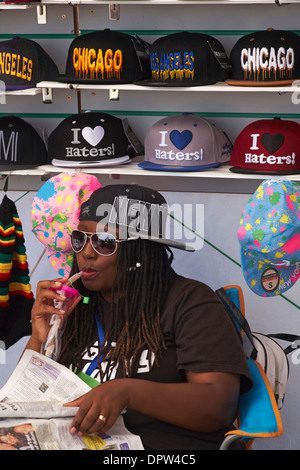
(16, 297)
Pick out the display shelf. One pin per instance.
(167, 2)
(217, 87)
(132, 169)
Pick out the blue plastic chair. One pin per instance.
(258, 415)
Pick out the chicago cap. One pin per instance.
(187, 59)
(107, 57)
(185, 142)
(265, 58)
(267, 146)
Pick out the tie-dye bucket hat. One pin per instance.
(269, 237)
(55, 213)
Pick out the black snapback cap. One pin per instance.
(187, 59)
(24, 63)
(265, 58)
(91, 139)
(107, 57)
(20, 144)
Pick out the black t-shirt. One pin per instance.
(200, 337)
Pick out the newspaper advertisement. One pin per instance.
(32, 415)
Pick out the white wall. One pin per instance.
(223, 200)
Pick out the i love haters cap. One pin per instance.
(185, 142)
(270, 146)
(92, 139)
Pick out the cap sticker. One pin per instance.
(270, 279)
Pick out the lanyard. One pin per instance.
(94, 362)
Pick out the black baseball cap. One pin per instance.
(24, 63)
(187, 59)
(20, 144)
(107, 57)
(137, 211)
(91, 139)
(265, 58)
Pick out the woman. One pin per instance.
(170, 356)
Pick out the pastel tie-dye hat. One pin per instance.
(269, 237)
(55, 213)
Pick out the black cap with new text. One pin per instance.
(187, 59)
(20, 144)
(136, 211)
(107, 57)
(24, 63)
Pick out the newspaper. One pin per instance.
(32, 415)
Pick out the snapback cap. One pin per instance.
(269, 237)
(54, 214)
(92, 139)
(107, 57)
(20, 144)
(185, 142)
(24, 63)
(265, 58)
(187, 59)
(267, 146)
(136, 211)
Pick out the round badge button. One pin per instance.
(270, 279)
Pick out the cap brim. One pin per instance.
(264, 278)
(236, 169)
(156, 167)
(165, 241)
(230, 81)
(152, 83)
(89, 164)
(89, 81)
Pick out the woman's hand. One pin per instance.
(44, 306)
(100, 407)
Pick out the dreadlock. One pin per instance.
(139, 292)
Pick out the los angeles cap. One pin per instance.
(92, 139)
(107, 57)
(185, 142)
(20, 144)
(136, 211)
(54, 214)
(24, 63)
(267, 146)
(187, 59)
(265, 58)
(269, 237)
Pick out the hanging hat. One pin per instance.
(16, 297)
(269, 237)
(55, 212)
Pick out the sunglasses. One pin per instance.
(103, 243)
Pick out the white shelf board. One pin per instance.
(132, 169)
(26, 92)
(217, 87)
(165, 2)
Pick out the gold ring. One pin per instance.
(102, 418)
